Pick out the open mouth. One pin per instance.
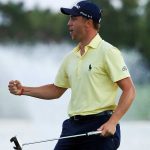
(70, 30)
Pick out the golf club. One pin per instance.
(18, 146)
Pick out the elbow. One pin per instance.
(53, 97)
(57, 96)
(133, 93)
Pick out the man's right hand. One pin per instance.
(15, 87)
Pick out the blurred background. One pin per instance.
(33, 41)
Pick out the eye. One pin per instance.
(73, 18)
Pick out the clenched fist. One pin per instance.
(15, 87)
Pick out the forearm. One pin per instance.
(46, 92)
(125, 102)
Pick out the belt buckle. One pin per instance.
(109, 112)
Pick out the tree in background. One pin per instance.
(47, 25)
(18, 25)
(144, 40)
(126, 26)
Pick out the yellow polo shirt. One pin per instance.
(92, 77)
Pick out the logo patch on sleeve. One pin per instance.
(124, 68)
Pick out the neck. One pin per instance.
(87, 39)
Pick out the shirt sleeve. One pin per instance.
(61, 79)
(115, 65)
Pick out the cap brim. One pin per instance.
(68, 11)
(65, 11)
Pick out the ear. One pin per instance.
(89, 23)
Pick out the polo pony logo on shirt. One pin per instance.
(90, 67)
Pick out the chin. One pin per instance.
(72, 37)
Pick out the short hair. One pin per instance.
(96, 26)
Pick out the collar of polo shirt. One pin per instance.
(92, 45)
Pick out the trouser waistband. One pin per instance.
(86, 117)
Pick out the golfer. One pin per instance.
(94, 70)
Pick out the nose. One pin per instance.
(69, 22)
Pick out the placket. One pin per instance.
(79, 66)
(80, 62)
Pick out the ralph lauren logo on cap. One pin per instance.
(86, 15)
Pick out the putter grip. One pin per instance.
(94, 133)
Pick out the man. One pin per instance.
(93, 70)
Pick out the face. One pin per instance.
(77, 28)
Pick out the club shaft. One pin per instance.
(65, 137)
(54, 139)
